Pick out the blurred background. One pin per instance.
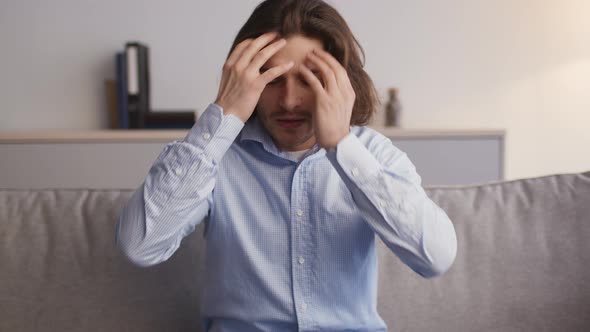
(518, 65)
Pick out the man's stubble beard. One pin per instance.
(266, 121)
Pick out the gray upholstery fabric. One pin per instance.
(60, 270)
(523, 261)
(523, 265)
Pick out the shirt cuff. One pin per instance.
(352, 158)
(214, 132)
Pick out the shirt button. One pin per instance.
(206, 136)
(382, 203)
(178, 171)
(355, 171)
(304, 306)
(301, 260)
(299, 213)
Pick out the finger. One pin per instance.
(262, 57)
(312, 80)
(275, 72)
(339, 71)
(254, 47)
(326, 71)
(237, 52)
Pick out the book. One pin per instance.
(138, 85)
(144, 84)
(133, 94)
(121, 74)
(110, 89)
(170, 120)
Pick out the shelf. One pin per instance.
(121, 158)
(153, 135)
(92, 136)
(399, 133)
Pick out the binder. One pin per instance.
(133, 94)
(138, 85)
(121, 74)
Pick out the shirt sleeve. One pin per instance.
(388, 192)
(176, 193)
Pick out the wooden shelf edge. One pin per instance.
(92, 136)
(123, 136)
(394, 132)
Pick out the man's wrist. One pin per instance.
(333, 144)
(214, 132)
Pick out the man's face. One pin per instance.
(286, 106)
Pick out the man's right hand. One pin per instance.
(241, 81)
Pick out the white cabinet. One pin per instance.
(453, 157)
(121, 159)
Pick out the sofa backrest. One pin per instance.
(522, 264)
(523, 261)
(60, 269)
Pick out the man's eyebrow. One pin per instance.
(314, 71)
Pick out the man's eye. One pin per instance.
(303, 81)
(275, 81)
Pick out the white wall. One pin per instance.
(521, 65)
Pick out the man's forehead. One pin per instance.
(296, 50)
(296, 68)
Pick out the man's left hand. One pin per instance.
(334, 99)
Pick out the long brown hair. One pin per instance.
(317, 19)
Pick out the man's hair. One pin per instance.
(317, 19)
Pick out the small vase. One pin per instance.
(392, 108)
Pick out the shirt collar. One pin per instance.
(254, 131)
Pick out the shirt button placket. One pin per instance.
(300, 240)
(301, 260)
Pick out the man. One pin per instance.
(293, 189)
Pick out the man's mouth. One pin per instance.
(290, 122)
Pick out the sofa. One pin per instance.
(523, 264)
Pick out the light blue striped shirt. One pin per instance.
(290, 245)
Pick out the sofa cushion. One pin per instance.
(523, 261)
(522, 264)
(60, 269)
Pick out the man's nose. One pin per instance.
(291, 96)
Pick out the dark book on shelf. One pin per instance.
(110, 89)
(133, 94)
(121, 74)
(169, 120)
(138, 83)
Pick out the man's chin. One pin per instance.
(294, 143)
